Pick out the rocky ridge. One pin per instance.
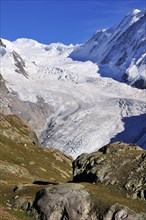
(119, 164)
(119, 51)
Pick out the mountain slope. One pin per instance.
(120, 51)
(25, 167)
(22, 156)
(34, 181)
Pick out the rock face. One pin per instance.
(119, 164)
(66, 201)
(2, 44)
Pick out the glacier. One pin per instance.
(67, 101)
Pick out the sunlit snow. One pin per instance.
(88, 110)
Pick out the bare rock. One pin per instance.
(119, 212)
(22, 203)
(119, 164)
(72, 201)
(66, 201)
(2, 44)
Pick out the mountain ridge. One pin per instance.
(122, 55)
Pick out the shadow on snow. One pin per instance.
(134, 131)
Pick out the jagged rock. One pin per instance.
(140, 84)
(2, 44)
(119, 164)
(119, 212)
(20, 64)
(66, 201)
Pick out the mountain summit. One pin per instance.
(120, 52)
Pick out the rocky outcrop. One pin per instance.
(20, 64)
(117, 171)
(2, 44)
(119, 212)
(66, 201)
(74, 202)
(118, 164)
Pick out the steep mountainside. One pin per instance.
(120, 52)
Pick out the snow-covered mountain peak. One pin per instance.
(9, 45)
(134, 11)
(26, 42)
(130, 19)
(117, 50)
(99, 31)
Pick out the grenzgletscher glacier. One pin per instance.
(78, 98)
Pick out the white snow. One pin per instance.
(87, 110)
(113, 49)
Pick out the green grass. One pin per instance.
(15, 153)
(16, 148)
(21, 214)
(103, 197)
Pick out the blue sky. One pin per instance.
(69, 21)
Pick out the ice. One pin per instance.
(88, 111)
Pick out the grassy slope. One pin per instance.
(104, 197)
(23, 161)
